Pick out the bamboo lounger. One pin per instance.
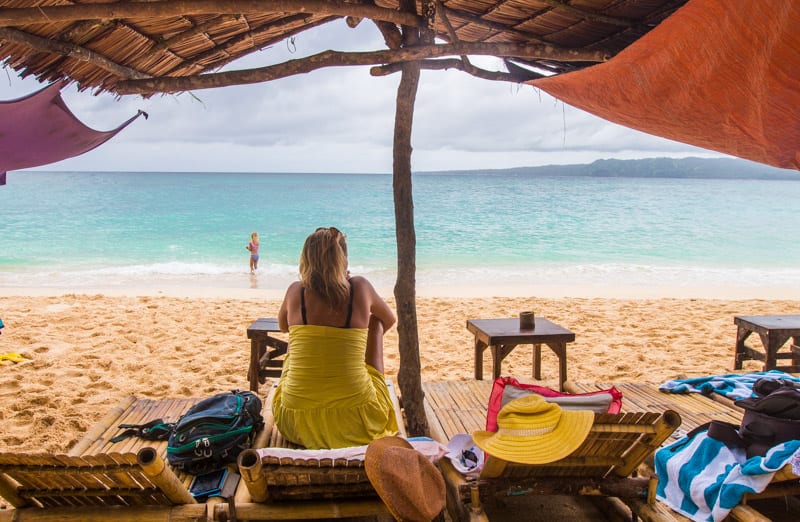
(460, 407)
(97, 480)
(602, 465)
(328, 488)
(130, 480)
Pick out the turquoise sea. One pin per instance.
(84, 230)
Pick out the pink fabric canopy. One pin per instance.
(39, 129)
(716, 74)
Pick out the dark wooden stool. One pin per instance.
(265, 351)
(774, 331)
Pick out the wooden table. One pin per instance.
(774, 331)
(263, 361)
(503, 335)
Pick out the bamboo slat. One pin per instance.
(110, 419)
(62, 481)
(693, 408)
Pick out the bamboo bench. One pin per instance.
(97, 480)
(327, 489)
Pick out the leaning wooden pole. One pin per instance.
(409, 376)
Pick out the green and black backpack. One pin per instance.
(209, 435)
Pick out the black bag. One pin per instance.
(214, 431)
(772, 417)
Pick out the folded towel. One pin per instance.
(352, 454)
(734, 386)
(703, 479)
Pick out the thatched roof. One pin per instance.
(147, 46)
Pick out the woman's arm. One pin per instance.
(380, 309)
(283, 313)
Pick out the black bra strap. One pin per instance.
(350, 306)
(303, 303)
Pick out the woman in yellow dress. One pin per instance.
(332, 392)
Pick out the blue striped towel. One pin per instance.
(702, 479)
(734, 386)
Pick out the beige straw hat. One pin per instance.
(408, 483)
(531, 430)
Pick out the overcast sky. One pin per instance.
(342, 120)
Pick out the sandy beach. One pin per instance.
(87, 352)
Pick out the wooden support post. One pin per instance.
(157, 471)
(409, 376)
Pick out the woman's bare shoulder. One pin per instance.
(293, 288)
(360, 283)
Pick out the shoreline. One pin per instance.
(728, 293)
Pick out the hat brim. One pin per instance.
(374, 454)
(419, 476)
(566, 437)
(372, 465)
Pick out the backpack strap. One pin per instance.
(154, 430)
(725, 432)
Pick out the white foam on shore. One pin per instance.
(590, 280)
(442, 291)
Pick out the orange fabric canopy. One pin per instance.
(717, 74)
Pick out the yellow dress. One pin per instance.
(327, 396)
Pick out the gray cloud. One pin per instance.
(342, 120)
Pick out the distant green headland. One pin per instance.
(705, 168)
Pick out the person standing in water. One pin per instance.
(253, 248)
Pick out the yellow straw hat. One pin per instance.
(531, 430)
(408, 483)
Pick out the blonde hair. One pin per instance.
(323, 265)
(254, 237)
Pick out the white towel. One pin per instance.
(425, 445)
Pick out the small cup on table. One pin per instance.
(527, 321)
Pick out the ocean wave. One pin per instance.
(278, 276)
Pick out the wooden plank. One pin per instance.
(108, 420)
